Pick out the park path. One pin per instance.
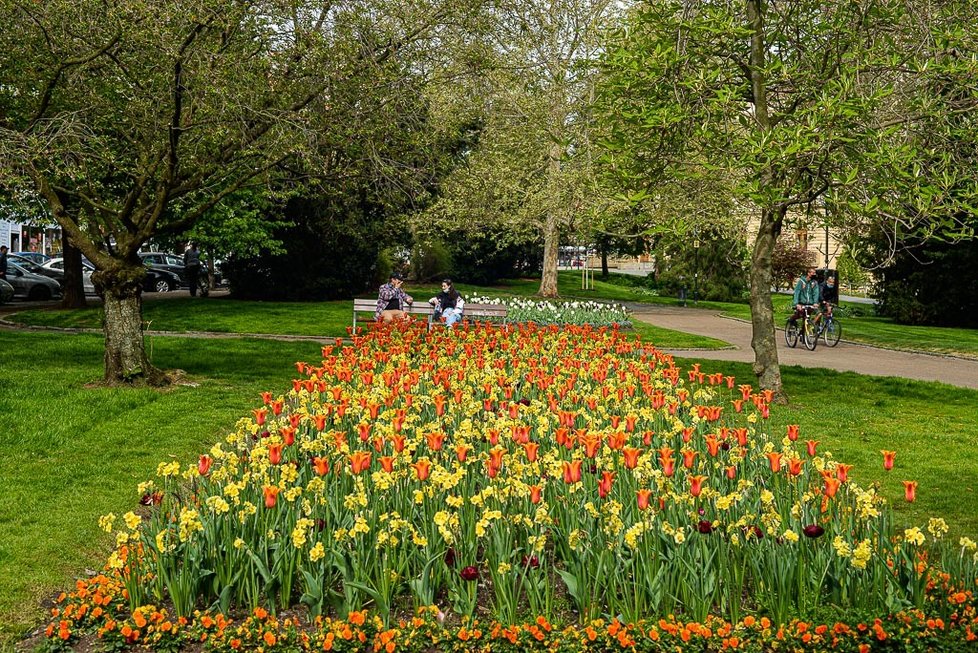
(846, 357)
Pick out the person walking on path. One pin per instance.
(391, 300)
(191, 264)
(806, 294)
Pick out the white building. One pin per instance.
(23, 237)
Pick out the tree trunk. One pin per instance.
(551, 245)
(125, 352)
(73, 292)
(764, 340)
(604, 261)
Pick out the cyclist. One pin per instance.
(829, 295)
(806, 294)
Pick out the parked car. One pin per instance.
(160, 280)
(168, 262)
(35, 268)
(37, 257)
(58, 265)
(28, 285)
(6, 292)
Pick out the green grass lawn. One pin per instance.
(328, 319)
(71, 453)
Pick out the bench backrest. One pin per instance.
(365, 305)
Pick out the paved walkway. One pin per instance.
(846, 357)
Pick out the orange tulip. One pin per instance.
(696, 485)
(668, 466)
(774, 458)
(688, 457)
(496, 457)
(398, 441)
(604, 485)
(910, 491)
(794, 466)
(462, 452)
(288, 435)
(616, 440)
(531, 449)
(732, 472)
(320, 465)
(631, 455)
(832, 486)
(592, 443)
(359, 461)
(842, 472)
(260, 415)
(275, 453)
(435, 441)
(811, 444)
(363, 430)
(572, 471)
(386, 463)
(643, 497)
(888, 457)
(793, 432)
(266, 398)
(422, 468)
(712, 444)
(320, 421)
(271, 495)
(204, 465)
(535, 493)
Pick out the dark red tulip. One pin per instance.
(469, 573)
(813, 531)
(705, 526)
(450, 557)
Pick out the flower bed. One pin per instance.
(545, 312)
(567, 474)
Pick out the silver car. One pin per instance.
(6, 292)
(59, 265)
(28, 285)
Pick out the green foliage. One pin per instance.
(715, 270)
(930, 285)
(430, 261)
(485, 256)
(788, 262)
(851, 274)
(331, 250)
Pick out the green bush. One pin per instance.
(430, 261)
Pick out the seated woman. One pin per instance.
(448, 304)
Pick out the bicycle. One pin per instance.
(830, 329)
(807, 331)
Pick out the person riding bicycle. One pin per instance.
(806, 294)
(829, 295)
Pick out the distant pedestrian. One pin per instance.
(3, 261)
(191, 264)
(391, 300)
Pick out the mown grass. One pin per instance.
(69, 453)
(326, 319)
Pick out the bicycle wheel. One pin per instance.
(791, 333)
(832, 333)
(809, 335)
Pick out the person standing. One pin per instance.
(191, 264)
(3, 261)
(448, 304)
(391, 300)
(806, 294)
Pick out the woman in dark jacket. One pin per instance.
(448, 304)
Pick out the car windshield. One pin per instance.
(28, 265)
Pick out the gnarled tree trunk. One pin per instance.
(125, 351)
(764, 339)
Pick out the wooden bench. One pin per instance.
(496, 311)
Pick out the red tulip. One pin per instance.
(811, 444)
(732, 472)
(705, 526)
(793, 432)
(888, 457)
(204, 465)
(266, 398)
(604, 485)
(910, 491)
(813, 531)
(469, 573)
